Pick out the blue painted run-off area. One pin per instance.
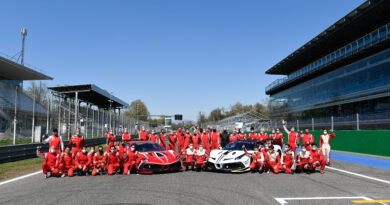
(367, 161)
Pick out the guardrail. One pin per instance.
(27, 151)
(13, 153)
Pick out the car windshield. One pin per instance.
(146, 147)
(237, 145)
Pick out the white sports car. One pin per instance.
(232, 158)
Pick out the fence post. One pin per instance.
(312, 123)
(59, 115)
(76, 111)
(86, 123)
(16, 112)
(297, 125)
(331, 119)
(93, 119)
(33, 119)
(357, 121)
(68, 127)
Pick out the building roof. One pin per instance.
(92, 94)
(352, 26)
(11, 70)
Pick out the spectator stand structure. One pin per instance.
(101, 111)
(20, 114)
(242, 121)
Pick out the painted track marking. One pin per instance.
(283, 201)
(21, 177)
(359, 175)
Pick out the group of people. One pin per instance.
(192, 147)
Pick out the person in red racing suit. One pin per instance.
(205, 137)
(112, 159)
(273, 162)
(252, 135)
(263, 137)
(111, 139)
(66, 163)
(242, 135)
(51, 164)
(307, 139)
(304, 159)
(189, 160)
(233, 137)
(201, 158)
(99, 161)
(161, 139)
(76, 141)
(126, 137)
(142, 134)
(318, 158)
(215, 140)
(257, 159)
(55, 141)
(81, 162)
(153, 136)
(130, 157)
(293, 137)
(172, 141)
(180, 141)
(288, 160)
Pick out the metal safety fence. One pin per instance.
(25, 117)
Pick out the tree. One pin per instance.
(216, 115)
(201, 118)
(40, 91)
(142, 112)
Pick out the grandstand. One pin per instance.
(15, 104)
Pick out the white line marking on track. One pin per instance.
(359, 175)
(21, 177)
(283, 201)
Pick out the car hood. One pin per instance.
(228, 156)
(158, 157)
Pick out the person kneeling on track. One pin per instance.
(66, 163)
(288, 159)
(51, 163)
(189, 160)
(112, 159)
(99, 160)
(201, 158)
(273, 162)
(303, 160)
(82, 167)
(257, 159)
(318, 158)
(130, 159)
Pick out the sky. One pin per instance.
(177, 56)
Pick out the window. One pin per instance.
(342, 51)
(337, 54)
(348, 48)
(382, 32)
(360, 43)
(374, 35)
(332, 56)
(367, 39)
(354, 45)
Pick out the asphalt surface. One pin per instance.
(199, 188)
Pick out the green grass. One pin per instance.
(19, 168)
(14, 169)
(17, 141)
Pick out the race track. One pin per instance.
(202, 188)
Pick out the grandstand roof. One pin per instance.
(92, 94)
(10, 70)
(368, 16)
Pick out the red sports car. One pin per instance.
(155, 159)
